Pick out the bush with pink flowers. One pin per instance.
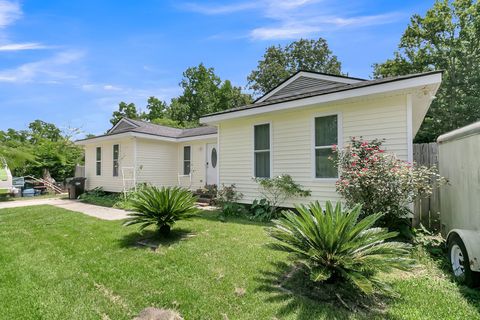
(381, 182)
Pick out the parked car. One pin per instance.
(459, 162)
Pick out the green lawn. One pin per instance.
(43, 196)
(57, 264)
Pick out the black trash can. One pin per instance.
(76, 186)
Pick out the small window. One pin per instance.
(326, 136)
(262, 151)
(99, 161)
(187, 155)
(214, 157)
(116, 151)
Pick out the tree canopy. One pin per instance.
(279, 63)
(446, 38)
(41, 147)
(125, 110)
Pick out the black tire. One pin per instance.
(469, 278)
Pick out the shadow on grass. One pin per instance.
(471, 295)
(151, 239)
(292, 286)
(439, 254)
(216, 217)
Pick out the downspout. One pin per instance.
(409, 128)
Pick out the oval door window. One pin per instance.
(214, 157)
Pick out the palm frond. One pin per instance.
(160, 206)
(333, 241)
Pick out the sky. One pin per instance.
(71, 62)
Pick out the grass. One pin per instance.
(43, 196)
(57, 264)
(109, 200)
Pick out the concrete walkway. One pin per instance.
(73, 205)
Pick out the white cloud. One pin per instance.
(282, 32)
(110, 87)
(50, 70)
(22, 46)
(220, 8)
(290, 19)
(9, 12)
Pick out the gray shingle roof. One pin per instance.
(339, 88)
(139, 126)
(164, 131)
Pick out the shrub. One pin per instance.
(434, 243)
(336, 247)
(261, 210)
(277, 190)
(161, 207)
(227, 199)
(381, 182)
(99, 197)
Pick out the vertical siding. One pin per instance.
(106, 180)
(459, 163)
(198, 163)
(292, 135)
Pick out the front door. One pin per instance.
(212, 163)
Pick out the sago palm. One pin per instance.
(161, 207)
(335, 246)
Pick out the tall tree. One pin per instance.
(40, 130)
(125, 110)
(203, 93)
(446, 38)
(156, 109)
(278, 63)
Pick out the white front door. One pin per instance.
(212, 163)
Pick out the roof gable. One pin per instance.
(122, 125)
(305, 81)
(147, 129)
(428, 82)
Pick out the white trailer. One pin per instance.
(459, 162)
(6, 186)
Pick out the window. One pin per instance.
(326, 135)
(262, 151)
(116, 151)
(99, 161)
(187, 155)
(214, 157)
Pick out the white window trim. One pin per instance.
(183, 160)
(270, 150)
(314, 147)
(118, 160)
(409, 128)
(97, 161)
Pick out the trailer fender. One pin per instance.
(471, 239)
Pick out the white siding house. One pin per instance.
(295, 121)
(290, 130)
(142, 152)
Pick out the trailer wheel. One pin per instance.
(459, 262)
